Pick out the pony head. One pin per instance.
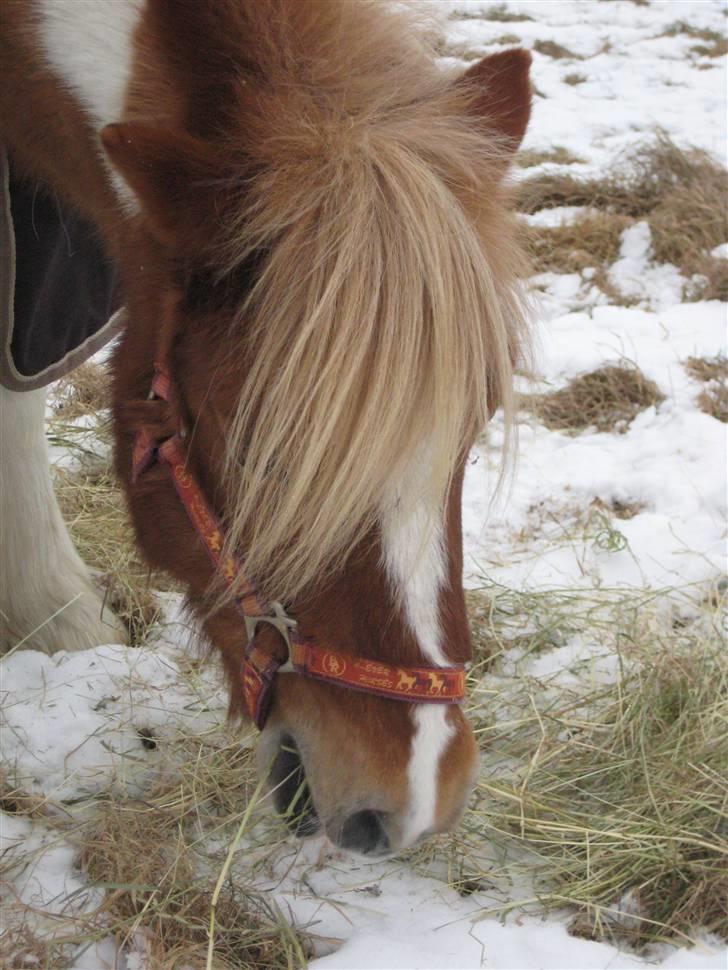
(319, 245)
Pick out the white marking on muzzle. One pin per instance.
(431, 737)
(415, 557)
(88, 43)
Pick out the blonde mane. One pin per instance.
(386, 317)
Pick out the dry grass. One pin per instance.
(607, 399)
(551, 49)
(558, 155)
(500, 12)
(573, 78)
(592, 241)
(549, 190)
(713, 373)
(718, 48)
(21, 949)
(158, 860)
(621, 510)
(606, 795)
(647, 178)
(85, 390)
(627, 798)
(94, 509)
(92, 502)
(507, 39)
(708, 368)
(716, 43)
(681, 193)
(146, 855)
(463, 52)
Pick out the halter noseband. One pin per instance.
(434, 685)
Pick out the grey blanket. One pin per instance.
(58, 292)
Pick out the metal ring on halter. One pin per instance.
(282, 622)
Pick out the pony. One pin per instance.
(311, 220)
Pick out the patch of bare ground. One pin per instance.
(682, 193)
(573, 78)
(558, 155)
(607, 399)
(713, 373)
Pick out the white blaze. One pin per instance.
(415, 557)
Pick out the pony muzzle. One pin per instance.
(362, 831)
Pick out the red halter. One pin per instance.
(438, 685)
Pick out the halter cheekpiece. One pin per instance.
(434, 685)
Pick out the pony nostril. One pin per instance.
(364, 832)
(290, 789)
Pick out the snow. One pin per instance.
(72, 723)
(636, 274)
(561, 215)
(670, 461)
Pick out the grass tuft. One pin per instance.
(713, 373)
(557, 51)
(501, 13)
(94, 509)
(558, 155)
(626, 798)
(573, 78)
(708, 368)
(591, 241)
(507, 39)
(22, 949)
(463, 52)
(718, 48)
(682, 27)
(681, 193)
(85, 390)
(606, 792)
(607, 399)
(93, 504)
(147, 865)
(157, 862)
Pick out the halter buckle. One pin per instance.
(281, 621)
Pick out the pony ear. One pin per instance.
(502, 92)
(172, 174)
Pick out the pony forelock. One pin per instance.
(386, 316)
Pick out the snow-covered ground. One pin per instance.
(71, 722)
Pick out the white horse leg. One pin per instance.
(47, 599)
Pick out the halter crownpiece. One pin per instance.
(435, 685)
